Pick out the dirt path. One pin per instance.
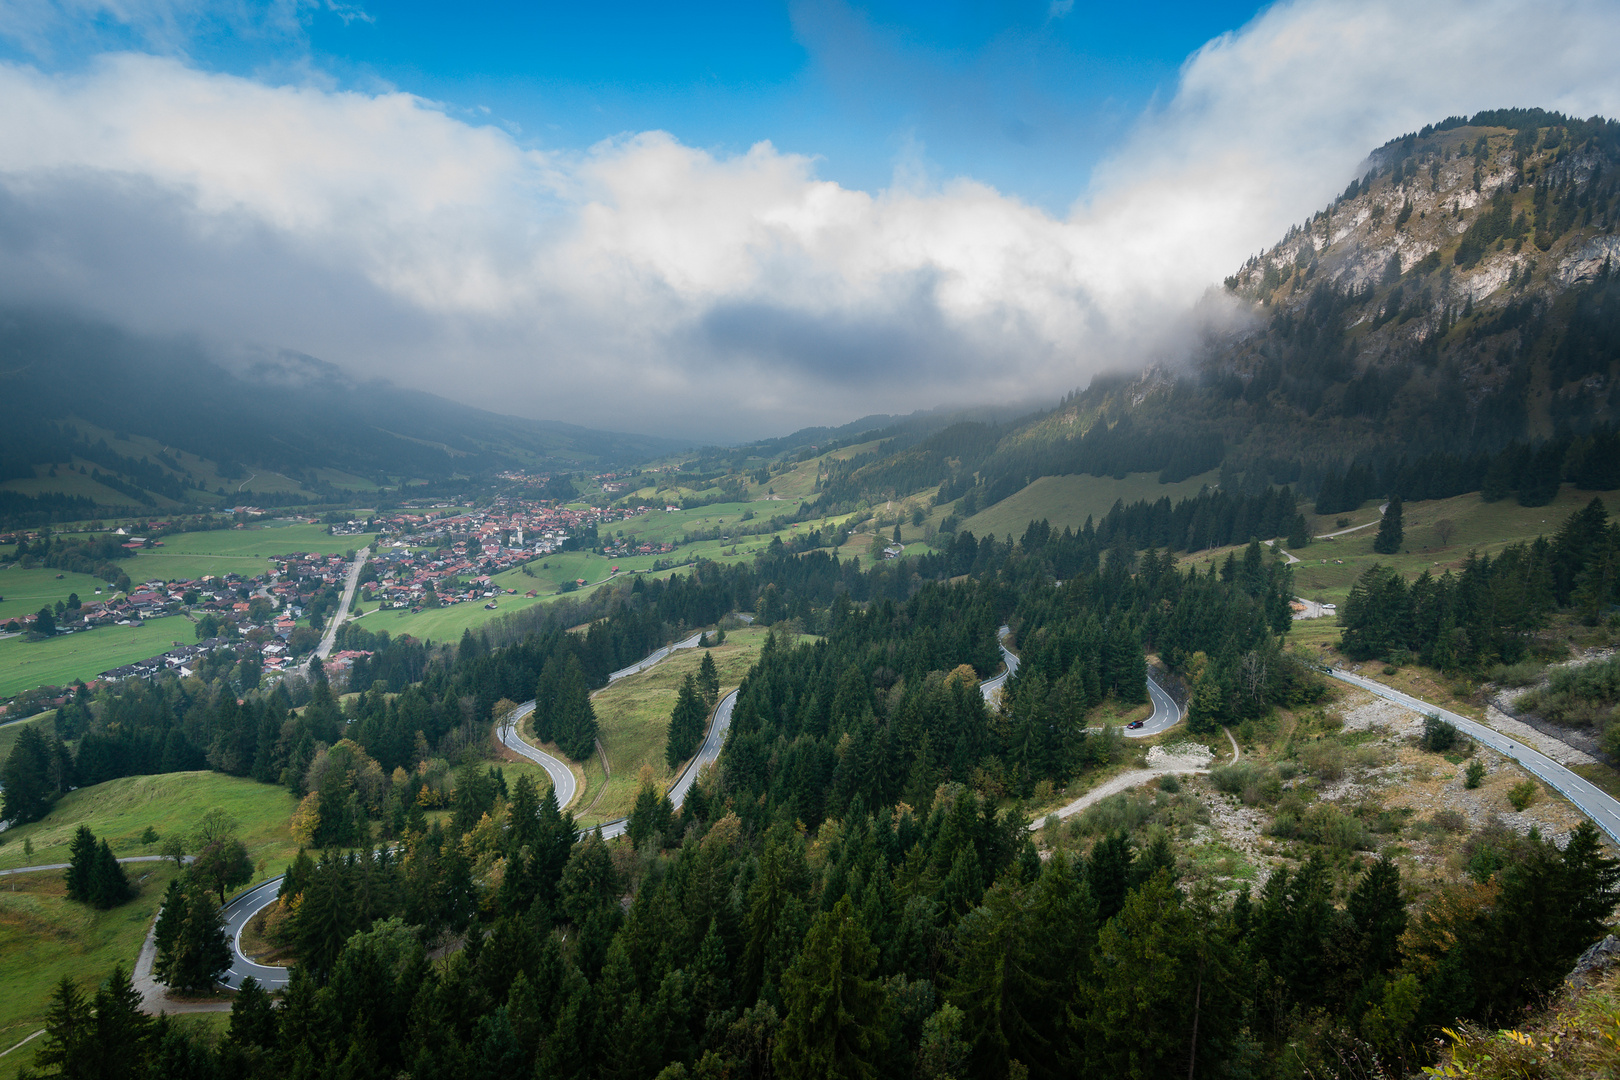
(1167, 765)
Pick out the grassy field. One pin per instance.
(26, 591)
(45, 936)
(549, 572)
(240, 551)
(1069, 500)
(634, 715)
(59, 660)
(121, 810)
(71, 482)
(1328, 568)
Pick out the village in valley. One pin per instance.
(419, 557)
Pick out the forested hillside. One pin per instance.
(853, 891)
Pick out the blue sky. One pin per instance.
(721, 221)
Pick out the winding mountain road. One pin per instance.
(990, 687)
(1166, 713)
(1589, 799)
(243, 907)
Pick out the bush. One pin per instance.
(1523, 673)
(1449, 820)
(1169, 783)
(1325, 760)
(1476, 773)
(1438, 735)
(1522, 794)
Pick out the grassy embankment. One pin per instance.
(1066, 501)
(44, 936)
(633, 715)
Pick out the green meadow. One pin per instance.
(234, 551)
(1439, 535)
(1066, 501)
(633, 715)
(26, 591)
(59, 660)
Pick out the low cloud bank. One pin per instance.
(650, 285)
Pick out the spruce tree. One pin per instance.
(26, 775)
(69, 1032)
(1390, 530)
(193, 950)
(109, 886)
(709, 679)
(81, 864)
(686, 724)
(575, 725)
(836, 1023)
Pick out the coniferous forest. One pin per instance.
(854, 891)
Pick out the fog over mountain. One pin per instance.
(648, 284)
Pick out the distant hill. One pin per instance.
(92, 417)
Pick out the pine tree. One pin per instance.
(69, 1032)
(836, 1023)
(192, 949)
(253, 1017)
(709, 679)
(26, 775)
(1390, 531)
(81, 864)
(109, 885)
(575, 724)
(686, 724)
(1299, 535)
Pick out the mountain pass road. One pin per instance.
(1590, 800)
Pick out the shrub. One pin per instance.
(1522, 794)
(1523, 673)
(1476, 773)
(1438, 735)
(1232, 779)
(1449, 820)
(1325, 760)
(1169, 784)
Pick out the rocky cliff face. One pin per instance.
(1470, 261)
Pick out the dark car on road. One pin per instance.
(1134, 724)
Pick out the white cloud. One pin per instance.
(645, 283)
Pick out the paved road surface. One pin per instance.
(1355, 528)
(342, 612)
(1290, 556)
(250, 903)
(989, 687)
(237, 914)
(562, 777)
(653, 657)
(1602, 808)
(1166, 713)
(64, 866)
